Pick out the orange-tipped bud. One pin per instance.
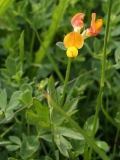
(77, 20)
(73, 39)
(95, 26)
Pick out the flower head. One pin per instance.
(95, 26)
(73, 41)
(77, 21)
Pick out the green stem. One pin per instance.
(28, 129)
(53, 145)
(111, 120)
(116, 139)
(21, 47)
(102, 75)
(66, 80)
(32, 45)
(44, 149)
(7, 130)
(89, 49)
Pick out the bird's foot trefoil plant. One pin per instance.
(39, 117)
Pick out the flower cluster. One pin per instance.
(75, 40)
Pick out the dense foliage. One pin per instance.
(41, 117)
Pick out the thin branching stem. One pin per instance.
(99, 100)
(66, 79)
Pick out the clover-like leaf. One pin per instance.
(61, 45)
(29, 146)
(38, 114)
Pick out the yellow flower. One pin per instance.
(73, 41)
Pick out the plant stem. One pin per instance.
(99, 100)
(66, 80)
(28, 129)
(32, 45)
(7, 130)
(116, 139)
(44, 149)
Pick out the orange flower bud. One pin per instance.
(77, 20)
(73, 39)
(72, 52)
(95, 26)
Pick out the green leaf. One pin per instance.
(29, 146)
(61, 45)
(117, 66)
(88, 139)
(25, 87)
(117, 55)
(67, 132)
(38, 114)
(43, 83)
(4, 5)
(1, 112)
(42, 131)
(117, 117)
(71, 105)
(11, 158)
(27, 97)
(116, 7)
(62, 144)
(116, 31)
(57, 154)
(47, 137)
(15, 139)
(5, 143)
(8, 114)
(9, 43)
(48, 158)
(21, 46)
(18, 76)
(105, 8)
(88, 126)
(12, 147)
(3, 100)
(103, 145)
(19, 67)
(73, 154)
(55, 94)
(6, 73)
(51, 88)
(14, 100)
(10, 64)
(96, 46)
(78, 145)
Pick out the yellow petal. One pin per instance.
(72, 52)
(73, 39)
(98, 24)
